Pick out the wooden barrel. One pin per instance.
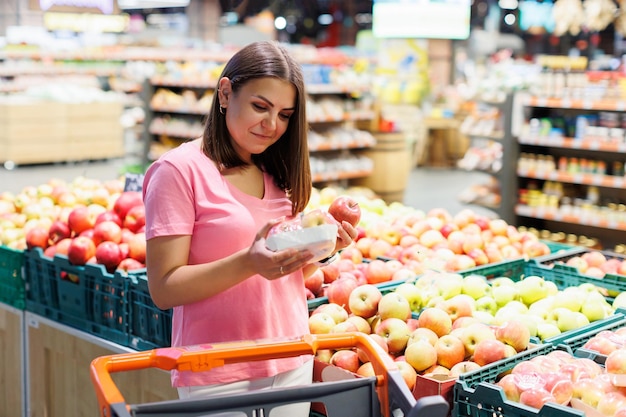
(392, 165)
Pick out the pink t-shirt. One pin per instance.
(185, 194)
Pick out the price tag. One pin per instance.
(133, 182)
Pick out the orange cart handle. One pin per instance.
(206, 357)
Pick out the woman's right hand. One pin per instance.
(273, 265)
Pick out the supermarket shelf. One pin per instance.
(337, 176)
(578, 104)
(572, 143)
(608, 181)
(560, 216)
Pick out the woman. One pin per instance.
(209, 205)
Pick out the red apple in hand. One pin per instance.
(345, 208)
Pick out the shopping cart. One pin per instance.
(383, 395)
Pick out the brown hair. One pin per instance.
(287, 160)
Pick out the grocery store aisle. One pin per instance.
(427, 187)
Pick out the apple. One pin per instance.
(58, 230)
(475, 286)
(130, 264)
(531, 289)
(602, 345)
(450, 350)
(395, 332)
(337, 312)
(474, 334)
(461, 305)
(408, 372)
(80, 219)
(366, 370)
(463, 367)
(345, 208)
(109, 254)
(435, 319)
(588, 390)
(488, 351)
(504, 294)
(321, 323)
(380, 341)
(536, 397)
(107, 230)
(137, 247)
(80, 250)
(37, 237)
(377, 272)
(412, 294)
(125, 201)
(109, 215)
(394, 304)
(338, 291)
(362, 325)
(514, 333)
(560, 386)
(135, 218)
(421, 355)
(315, 281)
(316, 217)
(346, 359)
(422, 333)
(610, 403)
(352, 253)
(487, 304)
(616, 362)
(331, 272)
(363, 300)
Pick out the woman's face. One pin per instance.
(258, 114)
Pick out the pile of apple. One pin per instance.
(85, 220)
(560, 378)
(596, 264)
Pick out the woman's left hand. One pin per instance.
(346, 233)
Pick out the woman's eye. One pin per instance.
(258, 106)
(285, 116)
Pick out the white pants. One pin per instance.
(299, 376)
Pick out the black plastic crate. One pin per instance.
(12, 284)
(149, 326)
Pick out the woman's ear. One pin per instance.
(224, 90)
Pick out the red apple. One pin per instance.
(37, 237)
(395, 332)
(81, 219)
(58, 230)
(338, 291)
(137, 247)
(109, 254)
(488, 351)
(421, 355)
(393, 304)
(331, 272)
(107, 230)
(376, 272)
(130, 264)
(409, 374)
(315, 281)
(135, 218)
(436, 320)
(514, 333)
(81, 249)
(463, 367)
(345, 208)
(346, 359)
(109, 215)
(126, 201)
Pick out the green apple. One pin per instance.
(547, 330)
(552, 288)
(504, 294)
(449, 285)
(571, 300)
(594, 310)
(531, 322)
(619, 301)
(532, 288)
(541, 308)
(501, 281)
(475, 286)
(412, 294)
(484, 316)
(486, 303)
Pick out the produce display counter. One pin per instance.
(12, 362)
(57, 368)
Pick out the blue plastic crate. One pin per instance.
(149, 326)
(12, 284)
(86, 297)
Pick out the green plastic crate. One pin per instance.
(488, 400)
(86, 297)
(553, 268)
(574, 339)
(513, 269)
(149, 327)
(558, 247)
(12, 283)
